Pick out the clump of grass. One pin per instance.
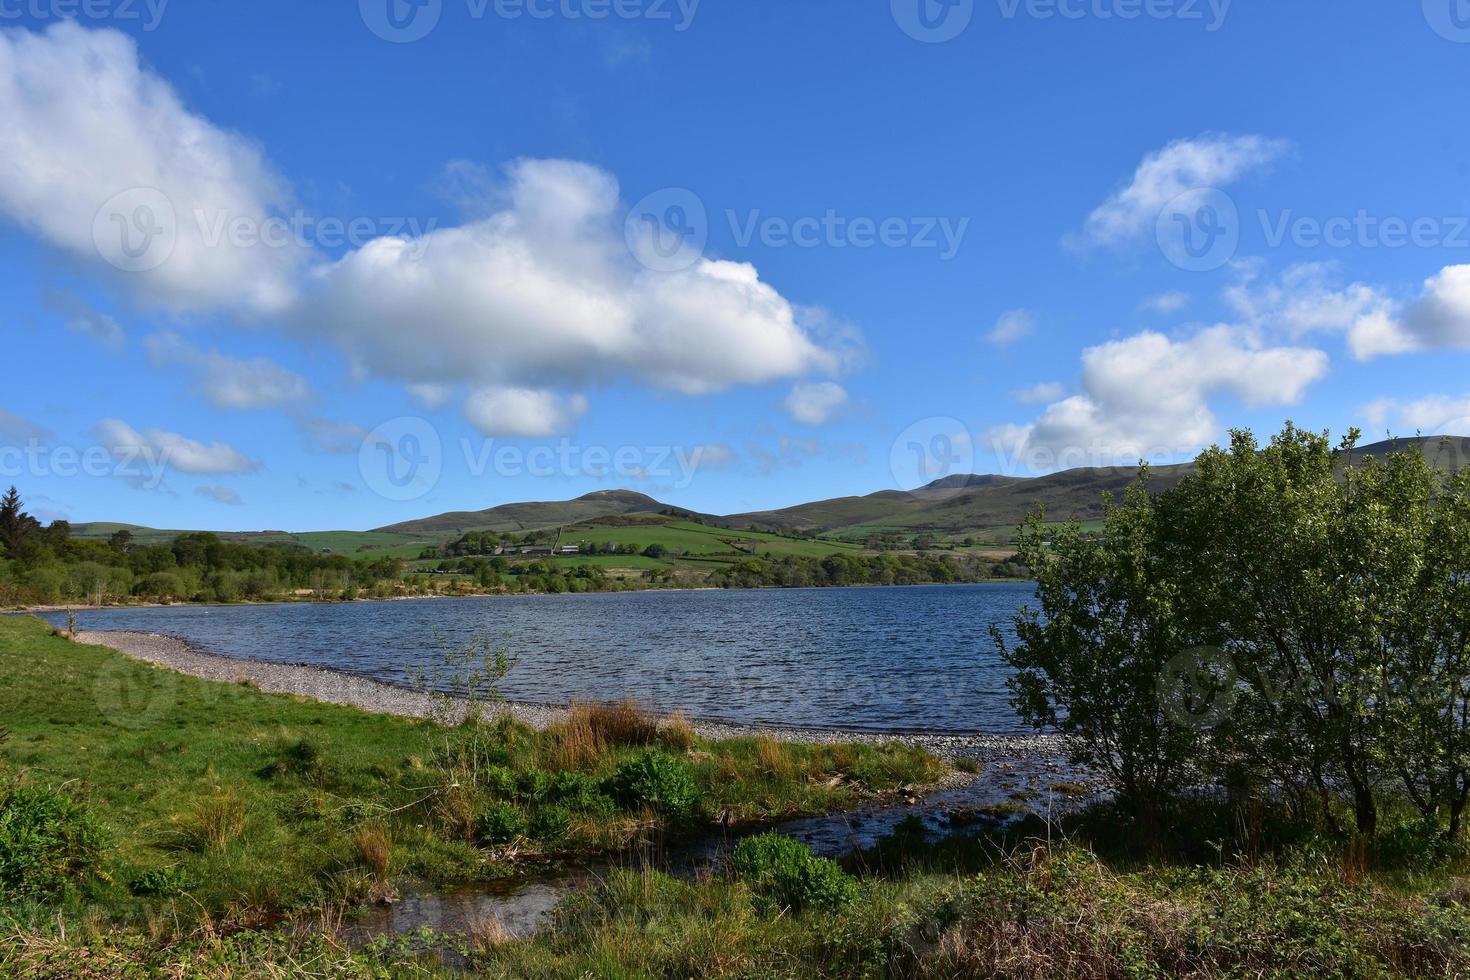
(46, 841)
(772, 758)
(619, 723)
(212, 821)
(1068, 789)
(575, 744)
(678, 734)
(374, 848)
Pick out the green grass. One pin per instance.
(270, 805)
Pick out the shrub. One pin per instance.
(162, 883)
(579, 792)
(46, 839)
(500, 823)
(533, 784)
(786, 872)
(656, 780)
(374, 846)
(550, 822)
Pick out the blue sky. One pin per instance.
(734, 255)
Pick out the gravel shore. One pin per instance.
(335, 687)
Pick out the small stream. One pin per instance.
(525, 905)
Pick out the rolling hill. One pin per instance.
(986, 505)
(531, 516)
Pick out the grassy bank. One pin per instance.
(217, 803)
(155, 825)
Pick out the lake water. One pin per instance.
(914, 659)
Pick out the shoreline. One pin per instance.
(365, 694)
(38, 610)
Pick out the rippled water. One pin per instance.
(915, 659)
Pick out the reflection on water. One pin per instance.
(917, 659)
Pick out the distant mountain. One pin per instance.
(972, 502)
(960, 503)
(530, 516)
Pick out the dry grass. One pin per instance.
(678, 734)
(619, 722)
(575, 744)
(374, 846)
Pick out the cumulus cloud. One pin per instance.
(101, 158)
(545, 293)
(522, 412)
(1442, 415)
(1439, 318)
(539, 291)
(1305, 299)
(220, 495)
(1011, 327)
(1147, 396)
(815, 403)
(171, 450)
(1211, 160)
(230, 382)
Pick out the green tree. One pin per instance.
(15, 524)
(1090, 660)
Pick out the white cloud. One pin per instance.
(230, 382)
(539, 291)
(545, 292)
(1211, 160)
(1439, 318)
(1047, 391)
(1433, 415)
(522, 412)
(1305, 299)
(85, 122)
(1166, 303)
(169, 449)
(1011, 327)
(816, 402)
(220, 495)
(1147, 396)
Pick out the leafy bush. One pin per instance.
(162, 883)
(580, 793)
(46, 839)
(789, 874)
(500, 823)
(550, 822)
(656, 780)
(533, 784)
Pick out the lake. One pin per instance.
(910, 659)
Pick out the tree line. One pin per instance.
(1290, 624)
(47, 564)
